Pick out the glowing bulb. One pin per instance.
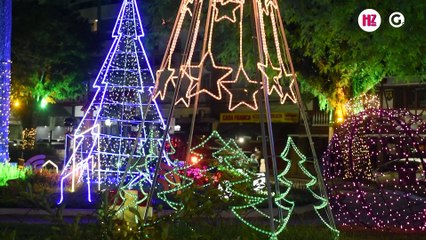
(194, 159)
(108, 123)
(16, 103)
(241, 140)
(43, 103)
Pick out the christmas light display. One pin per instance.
(245, 75)
(253, 201)
(374, 170)
(5, 62)
(28, 138)
(275, 68)
(214, 155)
(361, 103)
(323, 202)
(118, 141)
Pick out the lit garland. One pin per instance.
(374, 170)
(28, 138)
(104, 140)
(226, 156)
(313, 181)
(5, 75)
(361, 103)
(274, 69)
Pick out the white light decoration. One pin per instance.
(108, 123)
(49, 162)
(119, 138)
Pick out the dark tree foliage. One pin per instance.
(337, 60)
(50, 52)
(158, 18)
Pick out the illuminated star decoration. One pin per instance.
(224, 72)
(250, 87)
(220, 13)
(265, 69)
(167, 75)
(268, 8)
(164, 78)
(250, 92)
(275, 71)
(195, 71)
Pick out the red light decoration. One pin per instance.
(374, 171)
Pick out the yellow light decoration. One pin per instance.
(28, 138)
(190, 73)
(362, 103)
(16, 104)
(233, 19)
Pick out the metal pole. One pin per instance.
(262, 104)
(265, 84)
(197, 10)
(197, 96)
(321, 182)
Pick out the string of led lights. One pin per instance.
(323, 202)
(5, 75)
(190, 73)
(361, 103)
(241, 82)
(120, 118)
(374, 170)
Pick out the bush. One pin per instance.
(9, 172)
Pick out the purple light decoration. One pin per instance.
(104, 139)
(5, 62)
(374, 171)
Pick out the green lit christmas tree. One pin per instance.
(322, 203)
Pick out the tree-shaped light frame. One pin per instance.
(119, 138)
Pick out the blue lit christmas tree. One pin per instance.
(118, 141)
(5, 36)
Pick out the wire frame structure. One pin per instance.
(374, 171)
(250, 63)
(118, 141)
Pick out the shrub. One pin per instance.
(9, 172)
